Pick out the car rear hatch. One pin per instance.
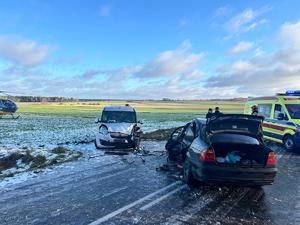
(237, 141)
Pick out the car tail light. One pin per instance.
(208, 155)
(271, 159)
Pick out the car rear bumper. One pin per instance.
(244, 176)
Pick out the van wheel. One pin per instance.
(187, 174)
(288, 142)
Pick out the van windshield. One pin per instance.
(294, 110)
(118, 117)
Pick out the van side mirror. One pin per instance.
(281, 116)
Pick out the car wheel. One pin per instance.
(288, 142)
(187, 174)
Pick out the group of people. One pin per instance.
(211, 114)
(217, 112)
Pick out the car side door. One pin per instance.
(189, 135)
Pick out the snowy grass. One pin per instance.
(22, 161)
(44, 126)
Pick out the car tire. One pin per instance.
(289, 143)
(188, 177)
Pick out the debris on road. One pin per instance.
(160, 135)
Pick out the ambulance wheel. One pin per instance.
(288, 142)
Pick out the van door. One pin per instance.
(278, 109)
(268, 124)
(272, 126)
(279, 124)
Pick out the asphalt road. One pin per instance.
(125, 190)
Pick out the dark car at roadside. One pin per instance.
(227, 149)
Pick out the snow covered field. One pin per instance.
(35, 131)
(37, 136)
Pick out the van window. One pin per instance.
(278, 109)
(265, 110)
(294, 110)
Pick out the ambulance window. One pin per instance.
(278, 109)
(265, 110)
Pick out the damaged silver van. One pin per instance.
(118, 129)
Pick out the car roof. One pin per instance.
(119, 108)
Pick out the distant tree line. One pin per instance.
(41, 99)
(63, 99)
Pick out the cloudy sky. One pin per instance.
(138, 49)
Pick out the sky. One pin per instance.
(138, 49)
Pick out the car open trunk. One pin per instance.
(239, 150)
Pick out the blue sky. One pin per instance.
(149, 49)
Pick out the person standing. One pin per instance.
(254, 110)
(209, 113)
(217, 112)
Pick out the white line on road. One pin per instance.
(224, 210)
(187, 212)
(162, 198)
(114, 191)
(117, 212)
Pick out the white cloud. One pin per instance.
(105, 10)
(172, 62)
(173, 73)
(246, 20)
(290, 34)
(25, 53)
(242, 46)
(264, 74)
(254, 25)
(221, 11)
(193, 75)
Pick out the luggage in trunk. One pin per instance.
(239, 150)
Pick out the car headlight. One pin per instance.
(103, 130)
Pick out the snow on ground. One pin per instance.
(89, 153)
(37, 135)
(33, 131)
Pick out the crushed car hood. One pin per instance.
(124, 128)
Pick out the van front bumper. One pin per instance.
(106, 141)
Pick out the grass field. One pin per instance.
(94, 108)
(43, 124)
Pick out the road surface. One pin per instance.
(110, 189)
